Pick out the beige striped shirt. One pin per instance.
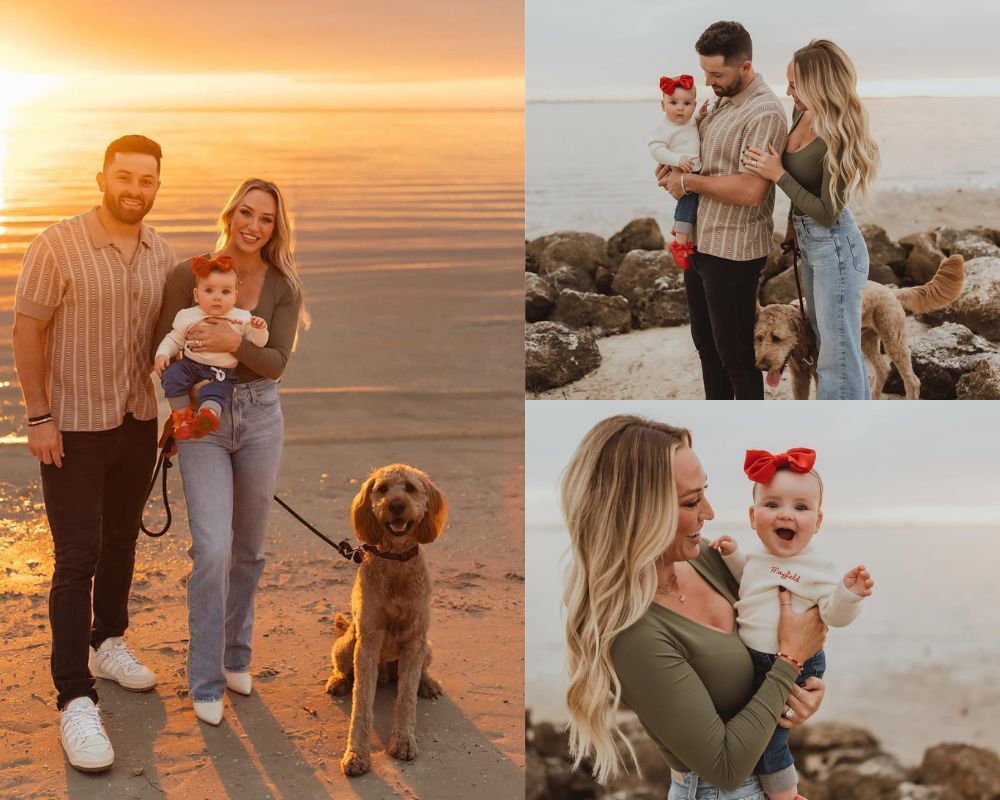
(751, 118)
(102, 312)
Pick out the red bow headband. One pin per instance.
(667, 85)
(760, 465)
(201, 266)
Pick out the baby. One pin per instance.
(786, 514)
(675, 143)
(214, 296)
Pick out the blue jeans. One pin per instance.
(777, 756)
(834, 273)
(229, 480)
(181, 375)
(686, 214)
(691, 787)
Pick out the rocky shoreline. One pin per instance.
(580, 287)
(835, 762)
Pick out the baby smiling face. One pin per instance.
(786, 513)
(679, 106)
(215, 294)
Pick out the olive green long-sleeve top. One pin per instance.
(807, 181)
(278, 306)
(691, 685)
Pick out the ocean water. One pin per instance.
(408, 228)
(588, 167)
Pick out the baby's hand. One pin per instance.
(703, 111)
(687, 165)
(258, 323)
(859, 581)
(160, 364)
(725, 545)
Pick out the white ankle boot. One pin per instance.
(239, 682)
(209, 711)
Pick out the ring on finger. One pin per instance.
(789, 714)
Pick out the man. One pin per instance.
(733, 232)
(86, 303)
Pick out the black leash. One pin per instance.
(354, 554)
(790, 245)
(168, 448)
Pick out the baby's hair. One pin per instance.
(812, 472)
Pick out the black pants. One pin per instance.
(94, 502)
(722, 301)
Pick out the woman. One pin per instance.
(229, 474)
(651, 623)
(830, 154)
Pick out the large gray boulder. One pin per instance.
(874, 779)
(780, 289)
(601, 315)
(972, 772)
(539, 297)
(978, 307)
(585, 251)
(924, 258)
(652, 284)
(982, 383)
(639, 234)
(555, 355)
(665, 306)
(777, 260)
(566, 276)
(941, 356)
(881, 249)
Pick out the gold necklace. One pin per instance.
(672, 589)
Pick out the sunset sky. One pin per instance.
(193, 53)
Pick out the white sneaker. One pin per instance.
(239, 682)
(83, 736)
(209, 711)
(113, 661)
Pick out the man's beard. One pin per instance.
(126, 214)
(727, 91)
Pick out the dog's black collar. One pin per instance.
(406, 555)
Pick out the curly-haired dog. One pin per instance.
(782, 338)
(397, 509)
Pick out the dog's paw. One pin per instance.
(354, 763)
(428, 687)
(338, 684)
(402, 747)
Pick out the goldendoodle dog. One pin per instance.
(397, 509)
(782, 338)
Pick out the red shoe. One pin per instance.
(182, 423)
(681, 253)
(204, 423)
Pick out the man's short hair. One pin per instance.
(727, 39)
(133, 143)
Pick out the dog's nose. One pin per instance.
(397, 506)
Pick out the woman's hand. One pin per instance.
(765, 165)
(213, 335)
(800, 636)
(803, 702)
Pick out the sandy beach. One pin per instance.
(415, 355)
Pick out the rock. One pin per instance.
(974, 247)
(533, 249)
(819, 749)
(978, 307)
(539, 297)
(983, 383)
(603, 279)
(940, 357)
(881, 249)
(655, 771)
(585, 251)
(562, 781)
(534, 778)
(780, 289)
(663, 307)
(911, 791)
(883, 273)
(549, 741)
(555, 355)
(603, 316)
(924, 257)
(972, 772)
(948, 238)
(566, 276)
(640, 269)
(777, 260)
(530, 262)
(639, 234)
(874, 779)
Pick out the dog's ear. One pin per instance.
(366, 526)
(434, 519)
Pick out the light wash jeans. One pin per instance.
(229, 480)
(834, 271)
(688, 786)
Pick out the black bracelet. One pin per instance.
(45, 416)
(41, 421)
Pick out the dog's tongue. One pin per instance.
(773, 378)
(398, 527)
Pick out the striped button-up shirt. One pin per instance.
(751, 118)
(102, 312)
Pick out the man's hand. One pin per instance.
(670, 180)
(859, 581)
(725, 545)
(46, 444)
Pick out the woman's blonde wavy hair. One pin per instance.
(278, 249)
(826, 83)
(619, 499)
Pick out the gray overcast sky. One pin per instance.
(606, 49)
(893, 463)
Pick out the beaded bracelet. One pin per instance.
(795, 662)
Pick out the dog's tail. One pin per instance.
(939, 291)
